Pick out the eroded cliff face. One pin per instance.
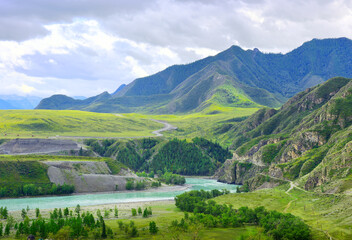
(334, 172)
(37, 146)
(88, 176)
(309, 140)
(237, 170)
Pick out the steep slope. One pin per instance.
(308, 139)
(233, 77)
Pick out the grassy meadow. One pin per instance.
(49, 123)
(71, 123)
(326, 214)
(164, 213)
(200, 124)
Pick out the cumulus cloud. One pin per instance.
(86, 47)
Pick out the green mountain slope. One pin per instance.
(307, 140)
(196, 157)
(233, 77)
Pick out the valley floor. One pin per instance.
(329, 216)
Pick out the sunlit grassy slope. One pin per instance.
(326, 214)
(46, 123)
(202, 124)
(163, 215)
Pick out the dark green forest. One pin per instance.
(198, 157)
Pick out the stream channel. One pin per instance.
(111, 198)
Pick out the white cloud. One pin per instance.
(86, 48)
(26, 89)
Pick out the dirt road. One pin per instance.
(167, 127)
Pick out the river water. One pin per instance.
(108, 198)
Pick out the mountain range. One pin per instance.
(232, 78)
(18, 102)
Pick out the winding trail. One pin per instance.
(293, 185)
(32, 146)
(167, 127)
(157, 133)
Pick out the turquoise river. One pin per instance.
(108, 198)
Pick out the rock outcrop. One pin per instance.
(309, 139)
(88, 176)
(37, 146)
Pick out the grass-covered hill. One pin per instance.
(233, 78)
(307, 140)
(48, 123)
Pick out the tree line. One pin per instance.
(19, 190)
(71, 224)
(210, 214)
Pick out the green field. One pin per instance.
(48, 123)
(201, 124)
(70, 123)
(163, 215)
(326, 214)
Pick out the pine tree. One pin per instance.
(4, 213)
(66, 212)
(78, 209)
(134, 212)
(60, 213)
(7, 230)
(23, 213)
(37, 212)
(1, 229)
(153, 229)
(103, 232)
(116, 212)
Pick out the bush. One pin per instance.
(153, 229)
(130, 185)
(170, 178)
(134, 212)
(140, 185)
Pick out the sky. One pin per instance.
(85, 47)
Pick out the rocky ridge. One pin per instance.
(307, 140)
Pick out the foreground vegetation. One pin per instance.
(207, 220)
(211, 214)
(328, 215)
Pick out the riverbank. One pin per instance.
(163, 188)
(149, 195)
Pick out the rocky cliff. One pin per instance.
(88, 176)
(308, 140)
(36, 145)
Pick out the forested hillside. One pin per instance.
(198, 157)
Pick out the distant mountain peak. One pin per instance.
(122, 86)
(234, 77)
